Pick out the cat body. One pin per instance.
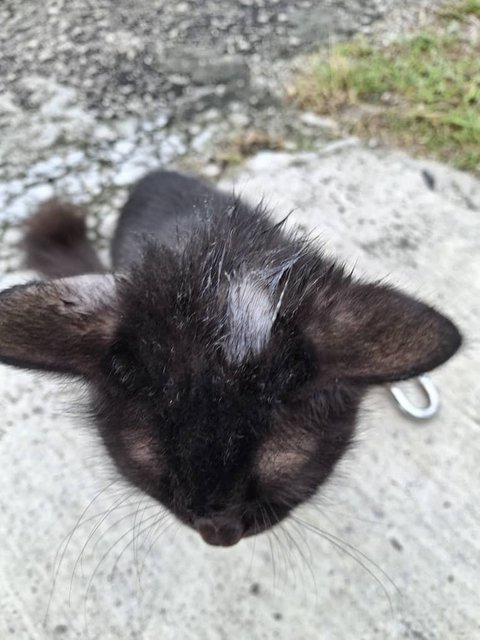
(226, 357)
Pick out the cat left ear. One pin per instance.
(373, 334)
(61, 325)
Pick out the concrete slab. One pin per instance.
(403, 503)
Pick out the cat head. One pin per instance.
(226, 393)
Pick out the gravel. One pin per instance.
(121, 57)
(94, 94)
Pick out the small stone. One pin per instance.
(212, 115)
(124, 147)
(290, 145)
(59, 100)
(16, 209)
(12, 236)
(429, 179)
(127, 129)
(211, 171)
(178, 80)
(396, 544)
(223, 70)
(60, 629)
(40, 192)
(128, 174)
(311, 119)
(161, 120)
(340, 145)
(7, 104)
(92, 180)
(171, 147)
(48, 168)
(14, 187)
(70, 186)
(107, 224)
(239, 120)
(194, 129)
(74, 158)
(201, 140)
(268, 161)
(45, 135)
(104, 132)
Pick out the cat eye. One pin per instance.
(122, 367)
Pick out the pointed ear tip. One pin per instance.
(450, 339)
(455, 338)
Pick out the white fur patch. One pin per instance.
(250, 317)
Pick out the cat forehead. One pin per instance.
(254, 299)
(250, 316)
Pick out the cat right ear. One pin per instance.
(60, 325)
(373, 334)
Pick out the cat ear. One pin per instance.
(60, 325)
(373, 334)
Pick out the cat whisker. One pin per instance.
(146, 498)
(117, 505)
(114, 524)
(66, 542)
(266, 526)
(354, 553)
(275, 532)
(254, 545)
(165, 521)
(104, 557)
(307, 562)
(317, 504)
(132, 541)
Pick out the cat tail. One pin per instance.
(56, 244)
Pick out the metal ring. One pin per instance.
(430, 392)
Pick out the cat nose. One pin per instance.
(219, 531)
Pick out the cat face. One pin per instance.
(229, 447)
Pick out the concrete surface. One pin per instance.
(405, 498)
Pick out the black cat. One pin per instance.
(226, 357)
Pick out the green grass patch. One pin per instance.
(422, 92)
(461, 10)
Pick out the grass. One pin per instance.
(421, 92)
(461, 10)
